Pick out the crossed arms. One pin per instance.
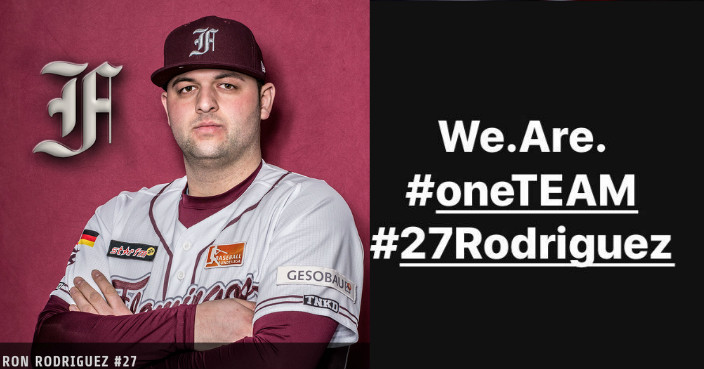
(315, 228)
(220, 331)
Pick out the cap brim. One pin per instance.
(162, 76)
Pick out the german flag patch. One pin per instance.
(88, 238)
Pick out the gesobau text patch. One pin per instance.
(317, 276)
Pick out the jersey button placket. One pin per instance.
(180, 275)
(187, 245)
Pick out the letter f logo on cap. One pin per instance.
(205, 39)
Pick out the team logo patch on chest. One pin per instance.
(225, 255)
(136, 251)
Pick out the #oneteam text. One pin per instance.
(520, 190)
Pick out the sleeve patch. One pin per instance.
(310, 300)
(317, 301)
(88, 237)
(317, 276)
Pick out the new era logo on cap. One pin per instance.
(193, 46)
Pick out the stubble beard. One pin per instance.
(218, 154)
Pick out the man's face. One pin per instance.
(215, 114)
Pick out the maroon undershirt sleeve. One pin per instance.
(173, 328)
(271, 346)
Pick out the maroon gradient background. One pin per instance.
(315, 52)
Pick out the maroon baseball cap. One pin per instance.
(210, 42)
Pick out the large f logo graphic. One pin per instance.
(66, 105)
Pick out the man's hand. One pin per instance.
(89, 300)
(217, 322)
(222, 321)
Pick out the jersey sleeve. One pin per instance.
(314, 262)
(89, 253)
(56, 324)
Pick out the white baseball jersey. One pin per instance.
(289, 243)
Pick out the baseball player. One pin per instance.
(237, 251)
